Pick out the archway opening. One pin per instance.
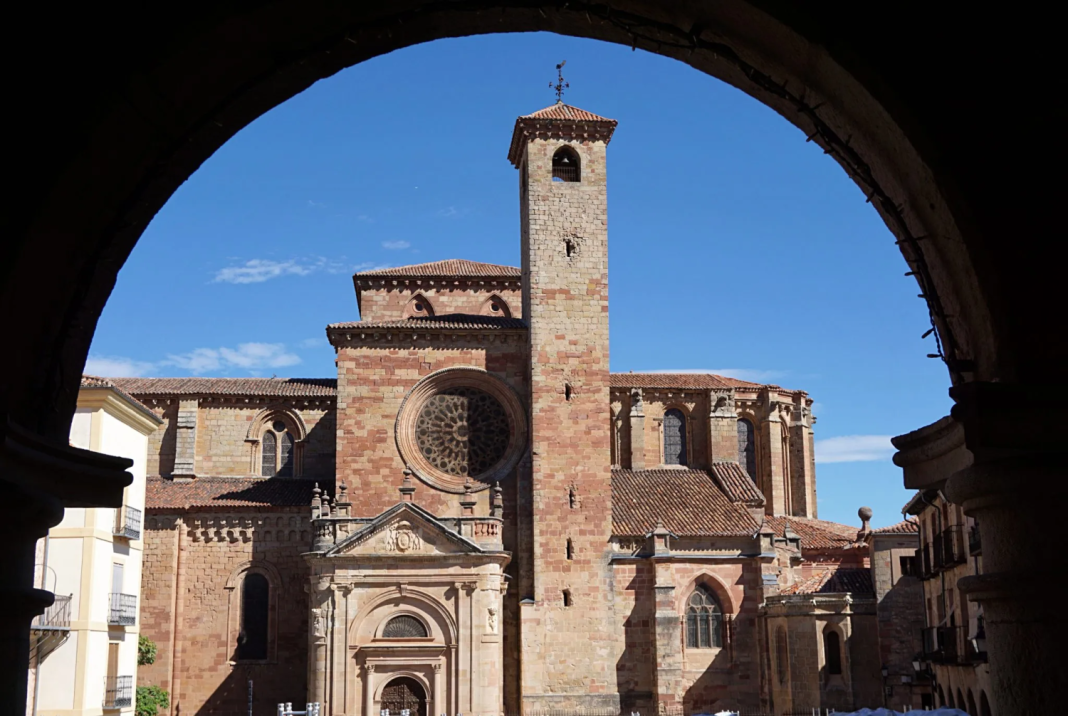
(404, 696)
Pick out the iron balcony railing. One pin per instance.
(123, 609)
(975, 544)
(56, 616)
(128, 523)
(953, 546)
(118, 692)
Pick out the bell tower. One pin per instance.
(565, 525)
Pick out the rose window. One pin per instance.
(462, 431)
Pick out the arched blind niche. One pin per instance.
(255, 609)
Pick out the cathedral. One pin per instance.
(477, 517)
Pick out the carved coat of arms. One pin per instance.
(402, 537)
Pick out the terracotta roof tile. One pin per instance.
(690, 381)
(687, 501)
(835, 581)
(899, 528)
(736, 484)
(449, 268)
(453, 321)
(816, 534)
(163, 494)
(258, 387)
(566, 111)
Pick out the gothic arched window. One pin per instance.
(674, 437)
(276, 448)
(566, 165)
(832, 651)
(404, 627)
(747, 447)
(255, 609)
(704, 620)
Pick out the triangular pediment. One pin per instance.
(404, 530)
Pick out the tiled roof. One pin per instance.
(899, 528)
(835, 581)
(162, 494)
(566, 111)
(686, 501)
(736, 483)
(449, 268)
(816, 534)
(690, 381)
(453, 321)
(95, 382)
(258, 387)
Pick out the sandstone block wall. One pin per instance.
(388, 302)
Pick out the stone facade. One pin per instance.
(477, 517)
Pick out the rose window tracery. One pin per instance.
(462, 431)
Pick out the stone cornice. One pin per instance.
(121, 407)
(436, 337)
(438, 282)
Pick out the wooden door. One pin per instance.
(403, 694)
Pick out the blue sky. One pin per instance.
(735, 246)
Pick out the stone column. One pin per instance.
(667, 624)
(1017, 488)
(369, 690)
(771, 460)
(722, 427)
(637, 430)
(319, 619)
(803, 487)
(438, 705)
(185, 445)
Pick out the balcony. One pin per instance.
(924, 568)
(942, 644)
(975, 544)
(128, 523)
(55, 617)
(953, 546)
(118, 692)
(122, 610)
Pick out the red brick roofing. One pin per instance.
(899, 528)
(164, 494)
(449, 268)
(452, 321)
(816, 534)
(736, 484)
(835, 581)
(688, 502)
(95, 382)
(690, 381)
(566, 111)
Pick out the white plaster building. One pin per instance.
(84, 648)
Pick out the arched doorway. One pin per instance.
(404, 694)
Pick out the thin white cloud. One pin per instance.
(312, 342)
(260, 270)
(854, 448)
(395, 245)
(249, 356)
(118, 367)
(371, 266)
(451, 212)
(751, 374)
(316, 204)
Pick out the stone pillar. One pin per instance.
(722, 427)
(803, 480)
(668, 643)
(637, 430)
(185, 440)
(771, 461)
(437, 700)
(319, 619)
(369, 690)
(1017, 488)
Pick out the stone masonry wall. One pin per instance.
(200, 555)
(444, 295)
(565, 287)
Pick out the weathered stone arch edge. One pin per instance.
(420, 295)
(714, 582)
(403, 612)
(258, 566)
(452, 637)
(259, 422)
(494, 295)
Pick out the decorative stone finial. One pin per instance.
(497, 501)
(468, 502)
(864, 513)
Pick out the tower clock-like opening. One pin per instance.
(566, 165)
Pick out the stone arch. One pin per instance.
(716, 584)
(380, 629)
(834, 628)
(504, 311)
(419, 306)
(233, 603)
(409, 674)
(424, 606)
(680, 407)
(294, 426)
(566, 164)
